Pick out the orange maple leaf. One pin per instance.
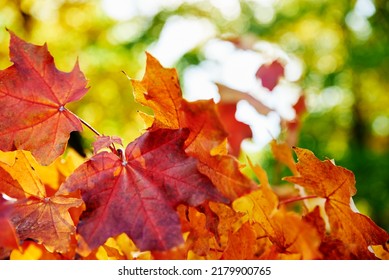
(337, 185)
(160, 90)
(289, 234)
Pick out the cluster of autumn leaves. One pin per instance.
(174, 193)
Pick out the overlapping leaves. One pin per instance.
(337, 185)
(36, 215)
(138, 193)
(160, 90)
(175, 191)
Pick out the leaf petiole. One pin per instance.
(89, 126)
(112, 147)
(295, 199)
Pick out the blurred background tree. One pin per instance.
(342, 46)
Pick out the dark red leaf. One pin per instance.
(138, 194)
(270, 74)
(237, 131)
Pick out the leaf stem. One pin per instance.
(89, 126)
(112, 147)
(295, 199)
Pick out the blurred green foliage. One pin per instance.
(343, 45)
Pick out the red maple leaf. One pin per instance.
(138, 193)
(270, 74)
(238, 131)
(33, 95)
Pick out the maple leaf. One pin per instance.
(237, 131)
(337, 185)
(207, 136)
(35, 215)
(160, 90)
(286, 230)
(137, 194)
(270, 74)
(33, 95)
(46, 220)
